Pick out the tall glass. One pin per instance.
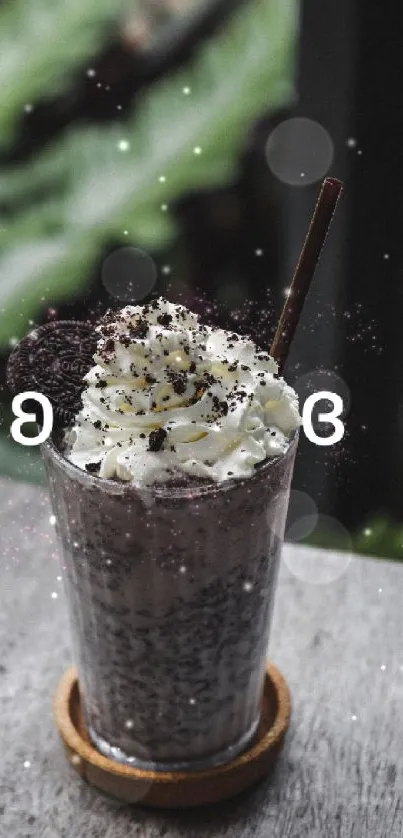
(170, 595)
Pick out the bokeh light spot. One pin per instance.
(302, 516)
(299, 151)
(317, 566)
(323, 379)
(129, 274)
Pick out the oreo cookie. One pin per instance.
(53, 359)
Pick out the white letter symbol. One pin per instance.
(23, 417)
(332, 417)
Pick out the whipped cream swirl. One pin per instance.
(168, 394)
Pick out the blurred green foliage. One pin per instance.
(42, 44)
(22, 464)
(93, 182)
(381, 537)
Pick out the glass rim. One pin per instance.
(161, 490)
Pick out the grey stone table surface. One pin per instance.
(339, 643)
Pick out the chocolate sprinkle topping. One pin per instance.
(53, 359)
(164, 319)
(92, 468)
(125, 340)
(157, 439)
(139, 329)
(178, 384)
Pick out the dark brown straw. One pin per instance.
(308, 260)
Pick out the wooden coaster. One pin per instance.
(177, 789)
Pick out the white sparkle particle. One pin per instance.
(27, 764)
(99, 84)
(192, 701)
(129, 724)
(30, 322)
(386, 255)
(118, 107)
(286, 291)
(186, 90)
(359, 151)
(248, 587)
(54, 595)
(125, 232)
(368, 531)
(302, 174)
(197, 150)
(182, 569)
(109, 561)
(123, 145)
(162, 178)
(28, 108)
(75, 759)
(13, 341)
(91, 73)
(383, 667)
(58, 578)
(351, 142)
(379, 590)
(52, 520)
(164, 207)
(353, 718)
(108, 441)
(166, 269)
(258, 251)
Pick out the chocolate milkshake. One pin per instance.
(170, 492)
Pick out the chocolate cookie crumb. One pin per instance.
(178, 385)
(92, 468)
(156, 439)
(139, 329)
(164, 319)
